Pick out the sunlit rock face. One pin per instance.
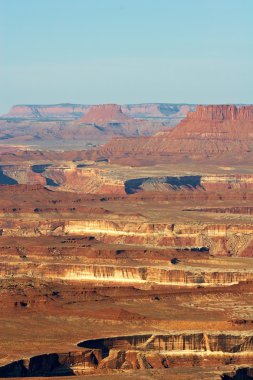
(146, 263)
(222, 112)
(83, 126)
(105, 113)
(123, 274)
(205, 342)
(137, 352)
(75, 111)
(218, 239)
(210, 132)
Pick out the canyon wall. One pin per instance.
(124, 274)
(222, 112)
(197, 341)
(219, 239)
(209, 132)
(137, 352)
(88, 178)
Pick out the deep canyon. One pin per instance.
(127, 252)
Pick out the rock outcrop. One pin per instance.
(209, 342)
(105, 113)
(82, 126)
(218, 239)
(158, 260)
(138, 352)
(48, 111)
(124, 274)
(222, 112)
(165, 111)
(211, 132)
(85, 180)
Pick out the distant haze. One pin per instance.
(125, 51)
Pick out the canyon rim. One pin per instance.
(126, 190)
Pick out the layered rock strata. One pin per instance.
(218, 239)
(209, 132)
(137, 352)
(124, 274)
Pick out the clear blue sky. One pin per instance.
(125, 51)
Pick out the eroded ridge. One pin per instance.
(156, 257)
(139, 352)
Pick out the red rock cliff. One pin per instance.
(222, 112)
(218, 132)
(105, 113)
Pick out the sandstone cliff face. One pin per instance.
(105, 113)
(81, 126)
(123, 274)
(85, 180)
(195, 341)
(138, 352)
(219, 239)
(162, 351)
(209, 132)
(97, 126)
(62, 364)
(20, 174)
(222, 112)
(100, 180)
(207, 183)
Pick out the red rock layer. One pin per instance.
(210, 132)
(222, 112)
(105, 113)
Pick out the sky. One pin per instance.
(125, 51)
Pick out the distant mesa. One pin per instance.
(77, 126)
(47, 112)
(210, 132)
(145, 132)
(105, 113)
(67, 111)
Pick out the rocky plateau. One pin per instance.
(132, 259)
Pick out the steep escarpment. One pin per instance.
(218, 239)
(210, 342)
(105, 113)
(67, 177)
(20, 174)
(172, 112)
(85, 180)
(124, 274)
(112, 121)
(47, 111)
(158, 260)
(70, 125)
(158, 351)
(208, 183)
(222, 112)
(89, 177)
(138, 352)
(209, 132)
(63, 364)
